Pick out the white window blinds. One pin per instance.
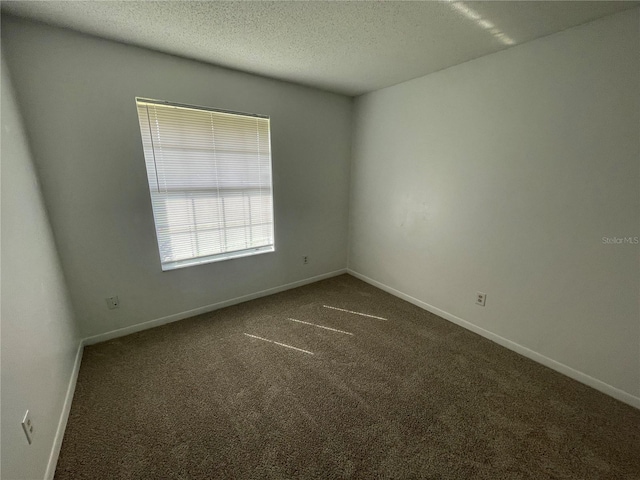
(209, 176)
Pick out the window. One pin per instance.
(209, 175)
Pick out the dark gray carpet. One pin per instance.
(413, 396)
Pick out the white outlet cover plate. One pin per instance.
(481, 298)
(113, 302)
(27, 426)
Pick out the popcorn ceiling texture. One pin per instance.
(345, 47)
(408, 395)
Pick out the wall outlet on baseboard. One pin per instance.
(481, 298)
(305, 260)
(113, 302)
(27, 426)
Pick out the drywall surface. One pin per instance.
(78, 96)
(39, 336)
(507, 175)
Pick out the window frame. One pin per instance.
(217, 257)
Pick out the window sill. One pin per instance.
(216, 258)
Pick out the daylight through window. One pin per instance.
(209, 175)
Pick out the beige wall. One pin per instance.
(78, 92)
(503, 175)
(39, 336)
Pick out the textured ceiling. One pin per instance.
(345, 47)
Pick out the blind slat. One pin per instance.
(210, 181)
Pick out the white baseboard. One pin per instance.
(120, 332)
(64, 416)
(535, 356)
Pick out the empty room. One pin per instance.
(320, 240)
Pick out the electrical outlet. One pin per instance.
(305, 260)
(113, 302)
(481, 298)
(27, 426)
